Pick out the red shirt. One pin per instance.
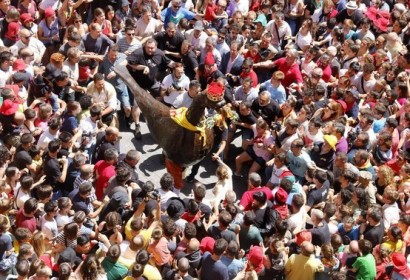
(23, 221)
(251, 74)
(292, 73)
(105, 172)
(210, 11)
(247, 197)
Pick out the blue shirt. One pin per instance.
(353, 234)
(211, 269)
(378, 125)
(168, 15)
(278, 94)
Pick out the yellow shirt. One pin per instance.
(300, 267)
(145, 233)
(150, 272)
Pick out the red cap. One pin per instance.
(215, 91)
(302, 236)
(281, 196)
(255, 258)
(19, 65)
(26, 17)
(209, 59)
(371, 13)
(207, 245)
(12, 31)
(8, 107)
(49, 12)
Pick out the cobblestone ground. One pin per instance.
(151, 167)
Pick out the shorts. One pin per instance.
(123, 96)
(254, 157)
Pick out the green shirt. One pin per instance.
(114, 270)
(366, 267)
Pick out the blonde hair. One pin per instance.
(222, 173)
(38, 243)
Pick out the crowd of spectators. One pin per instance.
(322, 93)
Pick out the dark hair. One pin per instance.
(98, 77)
(249, 218)
(50, 206)
(85, 187)
(54, 145)
(220, 246)
(114, 252)
(30, 205)
(224, 218)
(166, 182)
(190, 231)
(260, 197)
(365, 246)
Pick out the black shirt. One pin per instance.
(320, 235)
(356, 17)
(269, 112)
(316, 196)
(51, 170)
(190, 62)
(98, 46)
(101, 146)
(325, 160)
(374, 234)
(22, 158)
(157, 61)
(171, 44)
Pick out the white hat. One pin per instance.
(400, 7)
(199, 25)
(351, 5)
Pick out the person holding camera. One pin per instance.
(173, 85)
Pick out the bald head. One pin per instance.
(354, 247)
(19, 118)
(307, 248)
(24, 33)
(193, 245)
(183, 265)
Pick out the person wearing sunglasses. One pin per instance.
(176, 12)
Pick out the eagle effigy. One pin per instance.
(182, 133)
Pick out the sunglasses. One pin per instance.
(176, 7)
(78, 21)
(130, 34)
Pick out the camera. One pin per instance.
(153, 195)
(276, 126)
(176, 87)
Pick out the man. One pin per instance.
(104, 95)
(231, 64)
(106, 140)
(323, 153)
(197, 37)
(175, 13)
(339, 131)
(221, 44)
(130, 162)
(26, 40)
(167, 185)
(22, 158)
(280, 30)
(210, 48)
(254, 185)
(146, 24)
(360, 142)
(185, 99)
(266, 108)
(189, 59)
(351, 12)
(5, 67)
(275, 87)
(320, 192)
(95, 45)
(129, 43)
(54, 173)
(174, 84)
(304, 259)
(145, 63)
(170, 41)
(373, 229)
(73, 40)
(112, 59)
(265, 216)
(245, 93)
(25, 216)
(320, 231)
(229, 258)
(114, 270)
(288, 65)
(221, 229)
(212, 267)
(365, 81)
(208, 71)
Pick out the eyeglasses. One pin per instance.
(176, 7)
(78, 21)
(130, 34)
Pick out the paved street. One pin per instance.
(152, 169)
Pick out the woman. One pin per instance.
(382, 152)
(358, 202)
(30, 7)
(348, 28)
(304, 38)
(116, 22)
(90, 269)
(48, 33)
(224, 183)
(330, 112)
(384, 179)
(287, 110)
(76, 21)
(259, 149)
(321, 15)
(394, 240)
(40, 246)
(278, 171)
(63, 218)
(106, 27)
(328, 258)
(68, 237)
(294, 11)
(111, 227)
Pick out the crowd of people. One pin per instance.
(321, 89)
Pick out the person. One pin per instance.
(304, 259)
(365, 266)
(212, 266)
(174, 84)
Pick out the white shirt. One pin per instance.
(284, 31)
(108, 95)
(49, 3)
(197, 43)
(45, 138)
(35, 45)
(145, 30)
(391, 214)
(168, 81)
(165, 196)
(49, 228)
(4, 76)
